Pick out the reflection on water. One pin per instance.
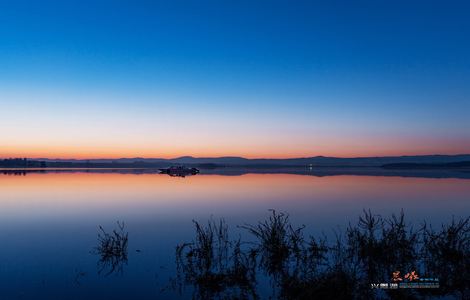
(236, 171)
(15, 172)
(112, 249)
(372, 251)
(48, 224)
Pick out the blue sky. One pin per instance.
(251, 78)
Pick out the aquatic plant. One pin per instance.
(370, 251)
(112, 249)
(215, 265)
(277, 242)
(446, 254)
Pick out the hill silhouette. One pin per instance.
(227, 161)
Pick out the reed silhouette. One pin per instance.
(297, 267)
(112, 249)
(447, 253)
(215, 265)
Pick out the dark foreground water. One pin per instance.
(49, 222)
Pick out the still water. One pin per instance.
(49, 222)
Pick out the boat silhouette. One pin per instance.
(179, 171)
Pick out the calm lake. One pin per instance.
(49, 222)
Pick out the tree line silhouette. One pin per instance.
(21, 163)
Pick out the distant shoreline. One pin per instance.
(238, 171)
(436, 166)
(399, 166)
(388, 162)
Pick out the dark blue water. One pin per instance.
(49, 222)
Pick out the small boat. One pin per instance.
(179, 171)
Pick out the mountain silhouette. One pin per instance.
(316, 161)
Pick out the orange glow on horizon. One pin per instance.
(364, 147)
(174, 156)
(149, 155)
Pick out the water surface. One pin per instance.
(49, 221)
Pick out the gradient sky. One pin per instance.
(92, 79)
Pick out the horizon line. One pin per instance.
(229, 156)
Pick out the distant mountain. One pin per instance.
(227, 161)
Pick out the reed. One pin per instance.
(112, 249)
(305, 268)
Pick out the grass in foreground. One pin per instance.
(297, 267)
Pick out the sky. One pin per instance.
(95, 79)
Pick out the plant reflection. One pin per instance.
(112, 249)
(216, 265)
(370, 251)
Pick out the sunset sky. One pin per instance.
(95, 79)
